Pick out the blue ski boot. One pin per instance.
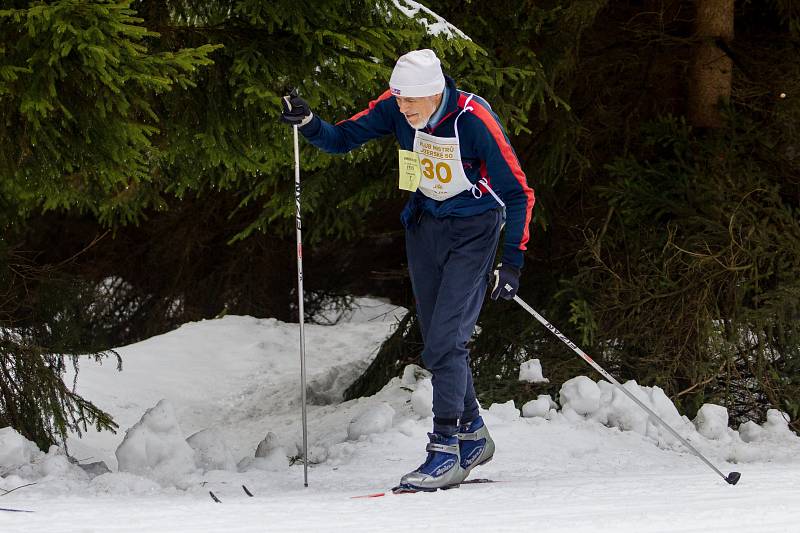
(475, 445)
(441, 470)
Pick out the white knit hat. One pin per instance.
(418, 73)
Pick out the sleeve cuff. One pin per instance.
(513, 256)
(312, 127)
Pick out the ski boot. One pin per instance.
(441, 469)
(476, 446)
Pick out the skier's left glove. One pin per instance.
(295, 110)
(505, 282)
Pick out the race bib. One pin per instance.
(410, 173)
(440, 164)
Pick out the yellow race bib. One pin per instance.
(410, 173)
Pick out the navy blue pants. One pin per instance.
(449, 260)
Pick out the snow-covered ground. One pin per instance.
(589, 460)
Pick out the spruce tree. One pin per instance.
(78, 86)
(44, 320)
(120, 111)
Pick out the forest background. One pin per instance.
(145, 181)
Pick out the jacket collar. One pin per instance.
(452, 95)
(441, 110)
(448, 107)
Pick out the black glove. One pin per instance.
(505, 282)
(295, 110)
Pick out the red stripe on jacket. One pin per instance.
(372, 105)
(484, 175)
(508, 154)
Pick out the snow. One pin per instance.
(712, 421)
(215, 405)
(52, 472)
(210, 451)
(439, 25)
(124, 484)
(581, 395)
(540, 407)
(270, 455)
(156, 448)
(602, 402)
(419, 382)
(375, 419)
(777, 426)
(506, 412)
(15, 450)
(531, 371)
(750, 431)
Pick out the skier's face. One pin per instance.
(418, 109)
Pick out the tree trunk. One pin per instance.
(712, 68)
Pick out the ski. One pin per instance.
(400, 489)
(6, 509)
(216, 499)
(478, 481)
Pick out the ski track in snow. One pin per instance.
(686, 501)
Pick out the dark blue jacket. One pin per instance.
(485, 153)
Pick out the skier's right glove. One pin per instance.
(295, 110)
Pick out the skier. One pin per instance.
(467, 185)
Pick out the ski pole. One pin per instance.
(300, 297)
(731, 478)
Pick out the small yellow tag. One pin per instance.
(410, 173)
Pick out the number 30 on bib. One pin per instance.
(439, 170)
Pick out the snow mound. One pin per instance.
(625, 414)
(413, 374)
(531, 371)
(155, 448)
(376, 419)
(418, 381)
(540, 407)
(269, 445)
(422, 399)
(712, 422)
(775, 429)
(210, 451)
(603, 402)
(507, 411)
(777, 425)
(750, 432)
(580, 394)
(21, 462)
(52, 472)
(15, 450)
(270, 456)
